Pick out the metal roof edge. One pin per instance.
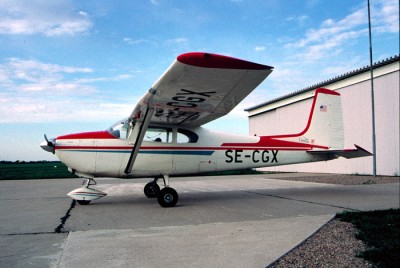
(329, 81)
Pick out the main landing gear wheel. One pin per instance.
(151, 190)
(167, 197)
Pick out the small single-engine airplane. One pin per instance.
(163, 136)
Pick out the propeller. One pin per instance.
(48, 145)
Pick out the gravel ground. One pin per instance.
(334, 245)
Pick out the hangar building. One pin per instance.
(289, 114)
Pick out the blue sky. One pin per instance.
(73, 66)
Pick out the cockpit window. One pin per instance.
(158, 134)
(186, 136)
(120, 129)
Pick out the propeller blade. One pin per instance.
(48, 145)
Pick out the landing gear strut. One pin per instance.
(166, 197)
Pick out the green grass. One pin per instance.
(33, 170)
(55, 169)
(380, 231)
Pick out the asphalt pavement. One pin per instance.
(224, 221)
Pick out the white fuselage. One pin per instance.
(99, 154)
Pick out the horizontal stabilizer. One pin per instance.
(346, 153)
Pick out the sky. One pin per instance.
(73, 66)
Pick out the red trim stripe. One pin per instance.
(317, 91)
(87, 135)
(245, 147)
(268, 142)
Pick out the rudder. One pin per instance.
(325, 123)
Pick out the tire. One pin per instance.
(83, 202)
(168, 197)
(151, 190)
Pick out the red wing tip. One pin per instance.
(209, 60)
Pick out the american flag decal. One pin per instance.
(323, 108)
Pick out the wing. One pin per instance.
(198, 88)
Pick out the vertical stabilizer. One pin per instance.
(325, 123)
(324, 129)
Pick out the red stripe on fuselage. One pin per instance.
(87, 135)
(245, 147)
(268, 142)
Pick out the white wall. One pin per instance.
(357, 117)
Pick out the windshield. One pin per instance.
(120, 129)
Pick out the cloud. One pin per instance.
(179, 40)
(298, 19)
(26, 108)
(259, 48)
(50, 18)
(32, 75)
(131, 41)
(385, 16)
(34, 91)
(329, 30)
(103, 79)
(32, 65)
(332, 35)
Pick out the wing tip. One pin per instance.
(209, 60)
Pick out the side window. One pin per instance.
(186, 136)
(155, 134)
(182, 138)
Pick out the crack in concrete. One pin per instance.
(33, 233)
(60, 227)
(304, 201)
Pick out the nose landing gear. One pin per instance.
(85, 194)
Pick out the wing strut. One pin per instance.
(139, 139)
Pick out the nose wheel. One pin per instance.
(83, 202)
(85, 194)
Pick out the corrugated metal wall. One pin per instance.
(356, 103)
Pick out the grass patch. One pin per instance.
(380, 231)
(33, 170)
(21, 170)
